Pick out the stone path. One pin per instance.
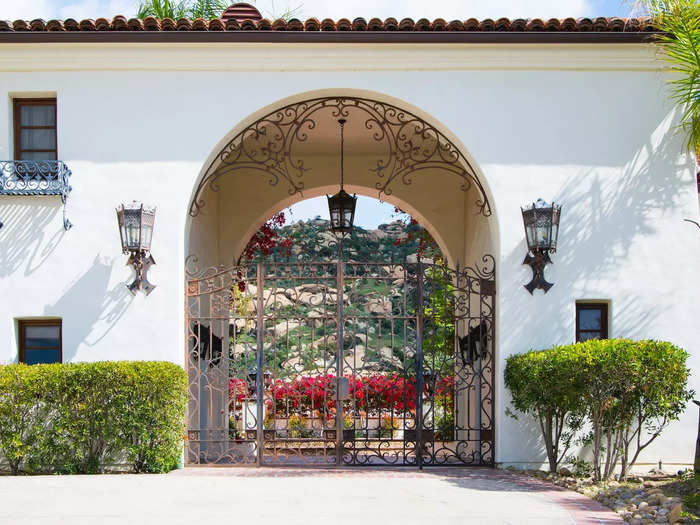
(296, 497)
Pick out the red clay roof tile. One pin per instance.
(359, 24)
(344, 25)
(245, 17)
(136, 24)
(375, 24)
(71, 24)
(487, 25)
(422, 25)
(312, 24)
(503, 24)
(519, 25)
(216, 25)
(327, 25)
(168, 24)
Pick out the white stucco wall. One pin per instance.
(587, 126)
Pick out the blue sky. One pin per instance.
(449, 9)
(370, 212)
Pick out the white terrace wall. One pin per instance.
(587, 126)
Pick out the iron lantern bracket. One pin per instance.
(141, 262)
(537, 262)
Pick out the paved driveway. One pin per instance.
(295, 497)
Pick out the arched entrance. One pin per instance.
(341, 361)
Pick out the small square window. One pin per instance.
(591, 321)
(40, 341)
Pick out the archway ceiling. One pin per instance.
(385, 146)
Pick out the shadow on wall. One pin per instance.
(602, 215)
(100, 307)
(25, 236)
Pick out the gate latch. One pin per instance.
(343, 389)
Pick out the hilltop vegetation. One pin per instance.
(397, 241)
(301, 303)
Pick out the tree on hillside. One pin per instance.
(427, 246)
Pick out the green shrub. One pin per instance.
(545, 385)
(627, 391)
(20, 412)
(80, 418)
(660, 394)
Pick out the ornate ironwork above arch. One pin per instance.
(411, 145)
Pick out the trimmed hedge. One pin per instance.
(82, 418)
(627, 392)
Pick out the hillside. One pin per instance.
(301, 302)
(312, 240)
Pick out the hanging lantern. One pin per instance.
(341, 206)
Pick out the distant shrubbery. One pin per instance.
(80, 418)
(627, 392)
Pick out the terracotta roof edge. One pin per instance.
(555, 25)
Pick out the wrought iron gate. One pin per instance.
(341, 363)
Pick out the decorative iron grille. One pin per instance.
(36, 177)
(334, 363)
(409, 146)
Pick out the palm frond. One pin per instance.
(285, 14)
(207, 9)
(163, 9)
(679, 21)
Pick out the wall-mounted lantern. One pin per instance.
(541, 222)
(136, 231)
(342, 205)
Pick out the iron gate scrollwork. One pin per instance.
(408, 145)
(341, 363)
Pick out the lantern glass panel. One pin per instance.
(335, 218)
(147, 219)
(531, 234)
(544, 228)
(541, 226)
(556, 213)
(122, 228)
(135, 226)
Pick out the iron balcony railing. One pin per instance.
(36, 177)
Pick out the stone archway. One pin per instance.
(284, 155)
